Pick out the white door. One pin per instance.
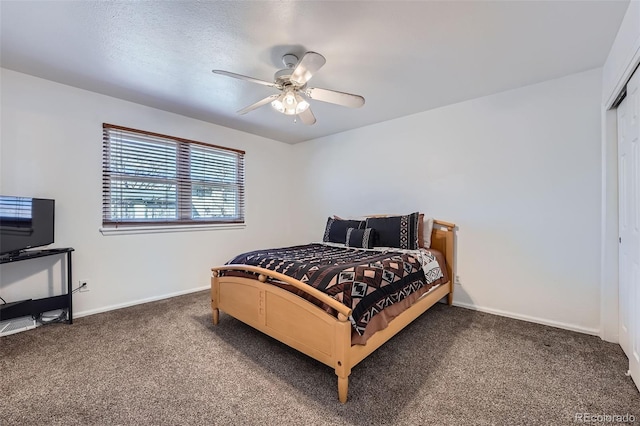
(623, 225)
(629, 224)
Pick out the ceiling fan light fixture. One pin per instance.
(290, 99)
(290, 103)
(278, 105)
(302, 105)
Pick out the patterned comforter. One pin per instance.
(364, 280)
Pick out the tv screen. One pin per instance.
(25, 223)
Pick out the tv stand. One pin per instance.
(37, 306)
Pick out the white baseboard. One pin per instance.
(565, 326)
(138, 302)
(557, 324)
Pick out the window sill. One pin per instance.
(168, 228)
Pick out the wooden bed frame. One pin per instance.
(306, 327)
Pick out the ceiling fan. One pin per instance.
(292, 83)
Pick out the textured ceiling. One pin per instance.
(403, 57)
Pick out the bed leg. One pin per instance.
(450, 299)
(343, 388)
(342, 356)
(214, 296)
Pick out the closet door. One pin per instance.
(623, 226)
(629, 224)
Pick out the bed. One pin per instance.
(316, 323)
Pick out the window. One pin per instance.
(153, 179)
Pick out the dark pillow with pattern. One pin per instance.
(336, 229)
(360, 238)
(395, 231)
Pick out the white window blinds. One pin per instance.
(153, 179)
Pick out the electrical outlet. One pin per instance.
(457, 280)
(84, 286)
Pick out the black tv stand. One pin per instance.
(37, 306)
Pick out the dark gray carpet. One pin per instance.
(165, 363)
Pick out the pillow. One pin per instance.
(395, 231)
(336, 229)
(423, 241)
(427, 231)
(360, 238)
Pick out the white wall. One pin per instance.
(518, 172)
(51, 146)
(623, 56)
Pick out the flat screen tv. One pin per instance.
(25, 223)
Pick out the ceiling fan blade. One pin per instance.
(335, 97)
(258, 104)
(307, 117)
(244, 77)
(308, 65)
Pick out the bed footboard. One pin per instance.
(286, 317)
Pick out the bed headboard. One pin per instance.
(442, 239)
